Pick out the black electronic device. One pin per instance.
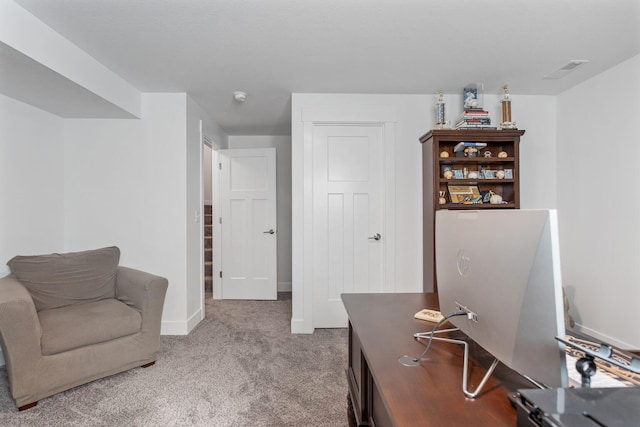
(586, 365)
(578, 407)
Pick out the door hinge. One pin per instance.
(221, 274)
(220, 166)
(220, 220)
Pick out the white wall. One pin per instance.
(598, 202)
(126, 185)
(39, 43)
(415, 116)
(282, 144)
(31, 181)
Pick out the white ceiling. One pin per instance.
(272, 48)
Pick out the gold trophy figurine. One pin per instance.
(507, 123)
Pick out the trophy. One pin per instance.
(440, 109)
(507, 123)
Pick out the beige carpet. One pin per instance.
(240, 367)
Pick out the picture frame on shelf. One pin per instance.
(458, 174)
(489, 174)
(464, 194)
(508, 173)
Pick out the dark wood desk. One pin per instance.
(382, 392)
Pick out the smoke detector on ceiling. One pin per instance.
(567, 68)
(240, 96)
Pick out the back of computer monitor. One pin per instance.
(504, 266)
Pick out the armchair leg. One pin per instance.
(27, 406)
(146, 365)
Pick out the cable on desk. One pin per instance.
(434, 329)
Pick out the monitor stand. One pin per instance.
(415, 361)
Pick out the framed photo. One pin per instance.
(508, 174)
(489, 174)
(457, 174)
(470, 97)
(464, 194)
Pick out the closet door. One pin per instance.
(348, 217)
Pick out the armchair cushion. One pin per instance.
(59, 280)
(80, 325)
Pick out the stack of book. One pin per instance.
(474, 118)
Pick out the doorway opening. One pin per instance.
(209, 151)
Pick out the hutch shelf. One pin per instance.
(455, 181)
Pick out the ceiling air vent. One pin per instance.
(567, 68)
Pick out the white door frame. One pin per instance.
(217, 225)
(205, 140)
(302, 245)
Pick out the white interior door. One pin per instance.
(348, 217)
(249, 235)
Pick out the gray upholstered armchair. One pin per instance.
(67, 319)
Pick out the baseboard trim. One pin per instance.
(297, 327)
(604, 338)
(174, 327)
(180, 327)
(193, 321)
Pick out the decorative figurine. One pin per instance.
(440, 110)
(444, 154)
(472, 175)
(470, 152)
(487, 153)
(500, 174)
(495, 199)
(503, 155)
(507, 123)
(441, 199)
(448, 175)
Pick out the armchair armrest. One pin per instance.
(20, 335)
(144, 292)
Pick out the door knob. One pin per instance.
(376, 236)
(269, 232)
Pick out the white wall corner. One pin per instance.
(181, 327)
(284, 287)
(299, 326)
(194, 320)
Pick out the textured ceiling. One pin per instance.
(271, 48)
